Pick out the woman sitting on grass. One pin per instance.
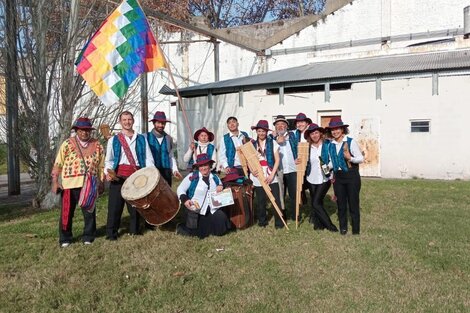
(194, 192)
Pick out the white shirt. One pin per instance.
(201, 148)
(202, 192)
(109, 160)
(287, 157)
(316, 176)
(266, 171)
(354, 149)
(237, 141)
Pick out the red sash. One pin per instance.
(124, 170)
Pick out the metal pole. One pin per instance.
(12, 100)
(144, 97)
(216, 60)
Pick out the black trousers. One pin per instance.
(347, 187)
(89, 229)
(261, 203)
(290, 183)
(319, 216)
(216, 224)
(115, 208)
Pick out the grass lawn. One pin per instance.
(413, 255)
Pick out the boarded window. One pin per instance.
(421, 126)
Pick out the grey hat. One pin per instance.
(280, 118)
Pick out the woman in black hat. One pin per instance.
(345, 156)
(318, 177)
(194, 192)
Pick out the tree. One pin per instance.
(230, 13)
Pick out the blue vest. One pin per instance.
(139, 150)
(338, 159)
(230, 150)
(160, 152)
(292, 142)
(210, 151)
(297, 135)
(324, 155)
(195, 180)
(269, 150)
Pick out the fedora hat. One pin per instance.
(232, 175)
(83, 123)
(159, 116)
(302, 117)
(280, 118)
(311, 128)
(336, 122)
(203, 130)
(263, 124)
(203, 159)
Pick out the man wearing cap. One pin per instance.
(228, 155)
(202, 220)
(125, 154)
(77, 156)
(301, 123)
(202, 144)
(161, 145)
(345, 155)
(268, 155)
(288, 153)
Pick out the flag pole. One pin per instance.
(180, 100)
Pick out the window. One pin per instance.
(420, 126)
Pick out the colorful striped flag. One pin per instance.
(121, 49)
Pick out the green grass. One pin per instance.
(412, 256)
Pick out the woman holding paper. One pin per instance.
(194, 192)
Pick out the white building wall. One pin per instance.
(438, 154)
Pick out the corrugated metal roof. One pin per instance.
(317, 73)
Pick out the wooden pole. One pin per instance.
(303, 157)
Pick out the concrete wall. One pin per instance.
(401, 154)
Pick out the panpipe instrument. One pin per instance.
(302, 155)
(346, 149)
(251, 156)
(243, 161)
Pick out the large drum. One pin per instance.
(241, 212)
(150, 194)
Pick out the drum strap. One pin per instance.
(127, 150)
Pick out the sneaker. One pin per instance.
(65, 244)
(87, 243)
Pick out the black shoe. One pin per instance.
(182, 230)
(111, 238)
(355, 233)
(263, 224)
(333, 229)
(344, 231)
(318, 227)
(279, 226)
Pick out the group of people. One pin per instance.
(333, 159)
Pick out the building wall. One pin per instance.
(400, 153)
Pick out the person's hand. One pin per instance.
(255, 172)
(297, 161)
(55, 187)
(226, 170)
(177, 175)
(188, 204)
(192, 146)
(219, 188)
(270, 178)
(108, 177)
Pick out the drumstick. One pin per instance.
(249, 152)
(302, 155)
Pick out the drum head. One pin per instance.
(140, 184)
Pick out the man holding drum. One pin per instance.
(125, 154)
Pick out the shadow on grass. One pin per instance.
(14, 211)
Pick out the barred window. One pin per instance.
(420, 126)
